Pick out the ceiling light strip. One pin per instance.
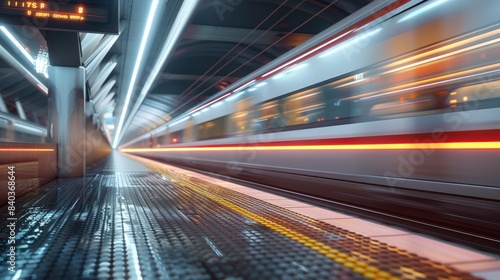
(178, 27)
(135, 73)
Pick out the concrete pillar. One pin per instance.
(66, 125)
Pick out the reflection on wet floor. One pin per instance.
(127, 221)
(27, 178)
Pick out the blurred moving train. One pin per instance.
(394, 109)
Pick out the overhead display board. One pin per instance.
(94, 16)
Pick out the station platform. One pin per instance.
(133, 218)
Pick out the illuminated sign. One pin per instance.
(95, 16)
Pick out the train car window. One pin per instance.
(458, 73)
(241, 121)
(212, 129)
(403, 107)
(305, 107)
(268, 116)
(344, 110)
(479, 96)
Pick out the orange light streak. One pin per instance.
(397, 146)
(450, 46)
(6, 150)
(447, 78)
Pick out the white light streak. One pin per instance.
(135, 73)
(18, 45)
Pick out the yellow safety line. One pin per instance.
(396, 146)
(346, 260)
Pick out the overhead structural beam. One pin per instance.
(111, 104)
(93, 61)
(20, 110)
(103, 75)
(83, 35)
(89, 43)
(92, 76)
(28, 74)
(105, 102)
(103, 92)
(236, 35)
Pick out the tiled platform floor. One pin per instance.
(127, 221)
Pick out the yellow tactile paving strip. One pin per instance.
(368, 257)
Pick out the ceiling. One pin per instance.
(218, 42)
